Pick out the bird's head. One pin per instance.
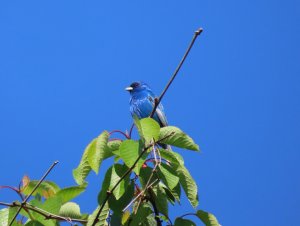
(137, 87)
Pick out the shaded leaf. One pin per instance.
(105, 186)
(177, 139)
(183, 222)
(140, 218)
(34, 223)
(168, 175)
(207, 218)
(188, 184)
(160, 199)
(118, 205)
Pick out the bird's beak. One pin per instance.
(128, 88)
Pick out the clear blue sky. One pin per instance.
(64, 66)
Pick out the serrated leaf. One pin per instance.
(70, 210)
(140, 218)
(129, 152)
(102, 217)
(118, 171)
(47, 188)
(69, 193)
(84, 168)
(174, 158)
(150, 129)
(160, 199)
(105, 186)
(144, 176)
(168, 175)
(207, 218)
(188, 184)
(97, 153)
(183, 222)
(177, 139)
(118, 205)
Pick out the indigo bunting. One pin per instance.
(142, 102)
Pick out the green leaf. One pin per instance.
(102, 218)
(140, 218)
(34, 223)
(118, 171)
(174, 158)
(7, 214)
(207, 218)
(160, 199)
(183, 222)
(129, 152)
(144, 176)
(118, 205)
(175, 137)
(125, 217)
(71, 210)
(150, 129)
(105, 186)
(168, 175)
(46, 189)
(98, 153)
(69, 193)
(188, 184)
(84, 168)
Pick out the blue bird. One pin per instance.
(142, 102)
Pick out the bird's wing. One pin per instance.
(159, 112)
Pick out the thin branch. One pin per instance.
(42, 212)
(119, 131)
(188, 214)
(133, 200)
(109, 193)
(34, 189)
(157, 101)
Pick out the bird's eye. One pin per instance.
(135, 84)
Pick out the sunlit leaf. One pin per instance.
(150, 129)
(129, 152)
(69, 193)
(7, 214)
(207, 218)
(97, 153)
(47, 188)
(175, 137)
(71, 210)
(102, 217)
(118, 171)
(168, 175)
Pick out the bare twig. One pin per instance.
(109, 193)
(34, 189)
(42, 212)
(157, 101)
(139, 195)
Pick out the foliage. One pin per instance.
(137, 189)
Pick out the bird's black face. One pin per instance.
(135, 86)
